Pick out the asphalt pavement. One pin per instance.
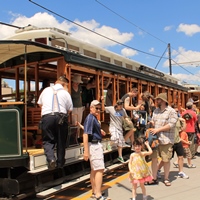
(180, 189)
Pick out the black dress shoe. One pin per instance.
(52, 164)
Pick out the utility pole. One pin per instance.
(170, 64)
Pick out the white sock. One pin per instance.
(144, 197)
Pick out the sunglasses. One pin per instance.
(97, 108)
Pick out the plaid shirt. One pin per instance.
(162, 118)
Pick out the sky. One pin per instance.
(142, 28)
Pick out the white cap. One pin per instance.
(95, 103)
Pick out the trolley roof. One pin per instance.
(12, 53)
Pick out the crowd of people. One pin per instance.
(176, 131)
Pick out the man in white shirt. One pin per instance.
(56, 104)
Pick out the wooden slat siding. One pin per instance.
(33, 118)
(107, 118)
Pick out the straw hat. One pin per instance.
(162, 96)
(77, 79)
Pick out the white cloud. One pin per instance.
(168, 28)
(151, 50)
(107, 31)
(186, 58)
(189, 78)
(188, 29)
(128, 52)
(47, 20)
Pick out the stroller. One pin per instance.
(140, 122)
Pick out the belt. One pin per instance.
(51, 114)
(95, 141)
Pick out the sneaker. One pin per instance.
(183, 175)
(109, 147)
(120, 159)
(126, 145)
(132, 148)
(158, 174)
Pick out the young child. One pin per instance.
(139, 170)
(187, 153)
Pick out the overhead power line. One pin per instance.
(130, 22)
(183, 68)
(10, 25)
(141, 29)
(94, 31)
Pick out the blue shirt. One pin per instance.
(92, 127)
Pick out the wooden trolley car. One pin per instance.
(34, 54)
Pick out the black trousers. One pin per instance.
(54, 136)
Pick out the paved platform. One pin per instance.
(180, 189)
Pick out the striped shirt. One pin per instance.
(162, 118)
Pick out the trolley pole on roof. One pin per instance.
(170, 64)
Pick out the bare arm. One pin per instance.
(129, 164)
(130, 107)
(149, 152)
(86, 147)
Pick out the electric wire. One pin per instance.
(130, 22)
(115, 41)
(10, 25)
(110, 38)
(183, 67)
(160, 58)
(140, 29)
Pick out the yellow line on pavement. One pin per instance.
(105, 186)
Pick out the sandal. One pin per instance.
(176, 165)
(154, 182)
(191, 166)
(103, 198)
(167, 182)
(93, 196)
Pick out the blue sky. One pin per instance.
(143, 25)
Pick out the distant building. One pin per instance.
(5, 88)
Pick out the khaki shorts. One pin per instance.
(154, 154)
(165, 152)
(96, 156)
(187, 153)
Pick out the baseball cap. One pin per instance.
(95, 103)
(120, 102)
(188, 104)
